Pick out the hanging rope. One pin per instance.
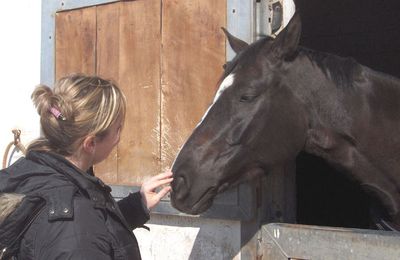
(17, 143)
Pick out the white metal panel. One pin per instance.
(289, 241)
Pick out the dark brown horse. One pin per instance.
(277, 99)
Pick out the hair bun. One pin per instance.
(42, 97)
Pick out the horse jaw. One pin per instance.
(207, 198)
(247, 176)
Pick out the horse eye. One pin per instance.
(247, 98)
(226, 65)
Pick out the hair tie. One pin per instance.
(57, 114)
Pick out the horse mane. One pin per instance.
(343, 71)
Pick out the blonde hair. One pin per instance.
(89, 105)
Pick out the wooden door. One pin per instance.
(166, 55)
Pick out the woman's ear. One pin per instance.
(89, 144)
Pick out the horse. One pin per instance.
(277, 99)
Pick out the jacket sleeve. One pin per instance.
(132, 208)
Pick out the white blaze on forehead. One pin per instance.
(226, 83)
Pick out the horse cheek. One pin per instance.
(234, 135)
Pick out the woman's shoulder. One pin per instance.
(26, 176)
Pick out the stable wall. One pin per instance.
(167, 56)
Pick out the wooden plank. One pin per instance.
(75, 41)
(192, 59)
(107, 66)
(139, 77)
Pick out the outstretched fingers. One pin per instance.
(157, 181)
(150, 196)
(163, 192)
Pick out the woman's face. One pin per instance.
(105, 144)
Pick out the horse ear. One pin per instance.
(287, 41)
(236, 44)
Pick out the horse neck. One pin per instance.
(330, 86)
(345, 122)
(319, 94)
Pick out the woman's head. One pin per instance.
(78, 106)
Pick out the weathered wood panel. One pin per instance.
(120, 41)
(192, 58)
(139, 77)
(75, 41)
(167, 69)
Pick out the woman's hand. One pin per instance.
(148, 191)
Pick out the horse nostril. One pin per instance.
(180, 188)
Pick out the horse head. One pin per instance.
(254, 123)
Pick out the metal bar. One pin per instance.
(240, 22)
(263, 19)
(236, 204)
(287, 241)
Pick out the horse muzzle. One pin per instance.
(188, 202)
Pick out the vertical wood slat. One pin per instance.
(192, 58)
(107, 66)
(75, 42)
(139, 76)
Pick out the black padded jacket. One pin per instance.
(80, 219)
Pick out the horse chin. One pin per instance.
(200, 208)
(205, 201)
(207, 198)
(202, 204)
(223, 187)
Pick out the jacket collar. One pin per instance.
(88, 184)
(84, 180)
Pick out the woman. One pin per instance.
(81, 120)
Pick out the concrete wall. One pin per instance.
(19, 69)
(181, 238)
